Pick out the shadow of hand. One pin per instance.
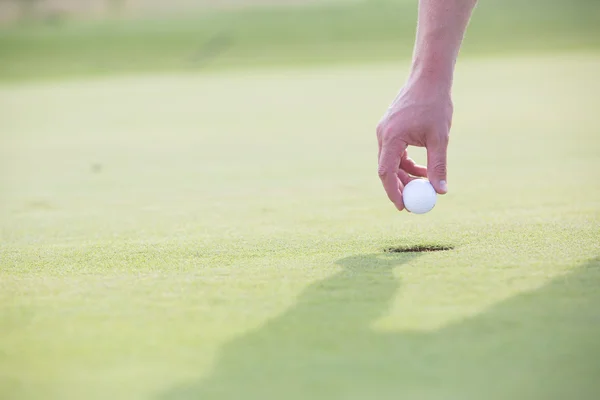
(537, 345)
(324, 338)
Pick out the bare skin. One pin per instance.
(421, 113)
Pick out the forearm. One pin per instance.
(440, 31)
(421, 113)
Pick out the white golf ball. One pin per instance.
(419, 196)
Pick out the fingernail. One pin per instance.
(444, 186)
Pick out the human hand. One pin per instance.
(421, 115)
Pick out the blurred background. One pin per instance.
(65, 38)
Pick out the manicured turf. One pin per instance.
(223, 236)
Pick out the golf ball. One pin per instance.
(419, 196)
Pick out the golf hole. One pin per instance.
(419, 248)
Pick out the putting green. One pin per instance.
(222, 237)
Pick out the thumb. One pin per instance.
(437, 167)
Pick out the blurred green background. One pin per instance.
(45, 39)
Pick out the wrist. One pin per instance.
(433, 70)
(434, 57)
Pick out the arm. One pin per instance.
(421, 114)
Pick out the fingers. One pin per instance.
(408, 165)
(437, 165)
(389, 160)
(405, 177)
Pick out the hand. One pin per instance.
(421, 115)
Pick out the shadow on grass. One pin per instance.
(544, 344)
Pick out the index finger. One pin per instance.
(389, 162)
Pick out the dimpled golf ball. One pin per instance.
(419, 196)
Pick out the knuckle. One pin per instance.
(392, 138)
(383, 132)
(381, 128)
(439, 140)
(440, 169)
(443, 136)
(383, 171)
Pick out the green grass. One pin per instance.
(224, 237)
(357, 32)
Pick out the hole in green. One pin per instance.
(419, 248)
